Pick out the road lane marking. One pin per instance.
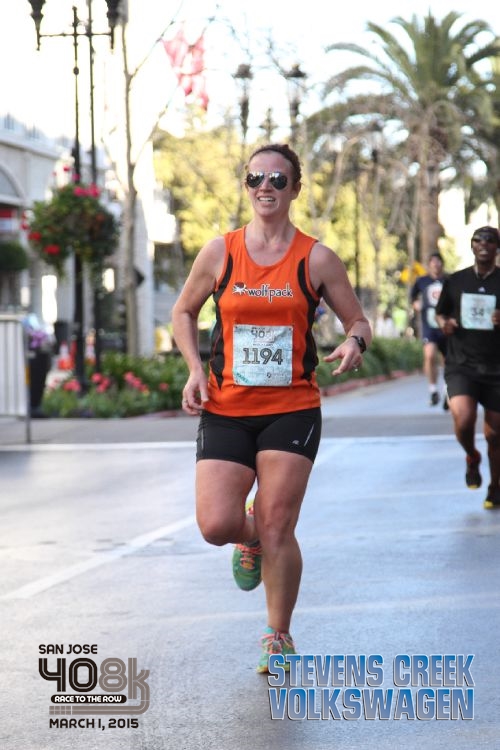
(135, 544)
(326, 442)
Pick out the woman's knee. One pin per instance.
(219, 531)
(277, 531)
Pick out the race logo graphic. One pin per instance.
(264, 291)
(117, 682)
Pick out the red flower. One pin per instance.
(35, 236)
(52, 249)
(71, 385)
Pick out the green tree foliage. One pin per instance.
(485, 139)
(203, 174)
(436, 82)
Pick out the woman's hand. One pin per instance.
(195, 393)
(349, 354)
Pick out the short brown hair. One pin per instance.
(285, 151)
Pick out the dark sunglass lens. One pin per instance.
(485, 237)
(278, 180)
(254, 179)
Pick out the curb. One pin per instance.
(328, 390)
(354, 383)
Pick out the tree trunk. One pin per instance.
(430, 228)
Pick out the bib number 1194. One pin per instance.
(262, 355)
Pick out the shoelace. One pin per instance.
(273, 642)
(248, 555)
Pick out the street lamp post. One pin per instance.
(268, 125)
(113, 14)
(243, 75)
(294, 77)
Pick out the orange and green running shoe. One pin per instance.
(275, 642)
(247, 561)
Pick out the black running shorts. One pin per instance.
(239, 439)
(482, 387)
(435, 336)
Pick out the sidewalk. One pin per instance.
(344, 415)
(150, 428)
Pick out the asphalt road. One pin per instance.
(99, 547)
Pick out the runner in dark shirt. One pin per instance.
(424, 296)
(468, 312)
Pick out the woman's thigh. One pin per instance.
(221, 490)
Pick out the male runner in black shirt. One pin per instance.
(468, 312)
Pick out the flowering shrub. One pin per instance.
(130, 386)
(73, 220)
(126, 387)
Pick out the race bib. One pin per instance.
(476, 311)
(431, 317)
(432, 294)
(262, 355)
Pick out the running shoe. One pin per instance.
(472, 476)
(434, 400)
(275, 642)
(446, 404)
(492, 498)
(247, 561)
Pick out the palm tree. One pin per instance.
(485, 145)
(435, 90)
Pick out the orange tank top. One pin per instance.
(263, 354)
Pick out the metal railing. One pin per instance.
(14, 371)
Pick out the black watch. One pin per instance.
(360, 342)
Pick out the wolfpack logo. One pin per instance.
(263, 291)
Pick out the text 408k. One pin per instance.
(120, 682)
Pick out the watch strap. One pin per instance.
(360, 342)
